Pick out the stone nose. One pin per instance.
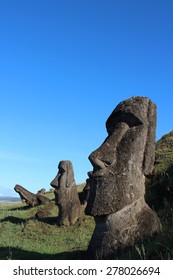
(96, 162)
(54, 182)
(102, 157)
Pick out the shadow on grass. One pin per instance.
(14, 220)
(48, 220)
(22, 207)
(20, 254)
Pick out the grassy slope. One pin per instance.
(164, 154)
(160, 187)
(24, 237)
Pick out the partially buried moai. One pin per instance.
(117, 183)
(66, 195)
(29, 197)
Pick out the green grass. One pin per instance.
(22, 236)
(159, 188)
(164, 154)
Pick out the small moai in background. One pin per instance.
(117, 182)
(66, 195)
(29, 197)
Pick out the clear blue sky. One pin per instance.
(64, 66)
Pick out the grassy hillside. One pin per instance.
(164, 155)
(160, 185)
(24, 236)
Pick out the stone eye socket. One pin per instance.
(106, 163)
(61, 170)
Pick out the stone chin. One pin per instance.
(105, 198)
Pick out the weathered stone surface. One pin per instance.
(84, 195)
(117, 183)
(66, 195)
(29, 197)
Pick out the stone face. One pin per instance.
(117, 182)
(66, 195)
(29, 197)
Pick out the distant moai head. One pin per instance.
(65, 175)
(19, 188)
(126, 156)
(29, 197)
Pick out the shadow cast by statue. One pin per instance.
(23, 207)
(20, 254)
(48, 220)
(15, 220)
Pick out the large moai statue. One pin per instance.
(66, 195)
(117, 183)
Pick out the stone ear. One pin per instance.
(149, 153)
(70, 176)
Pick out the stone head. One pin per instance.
(65, 175)
(126, 156)
(17, 188)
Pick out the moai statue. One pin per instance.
(29, 197)
(117, 183)
(66, 195)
